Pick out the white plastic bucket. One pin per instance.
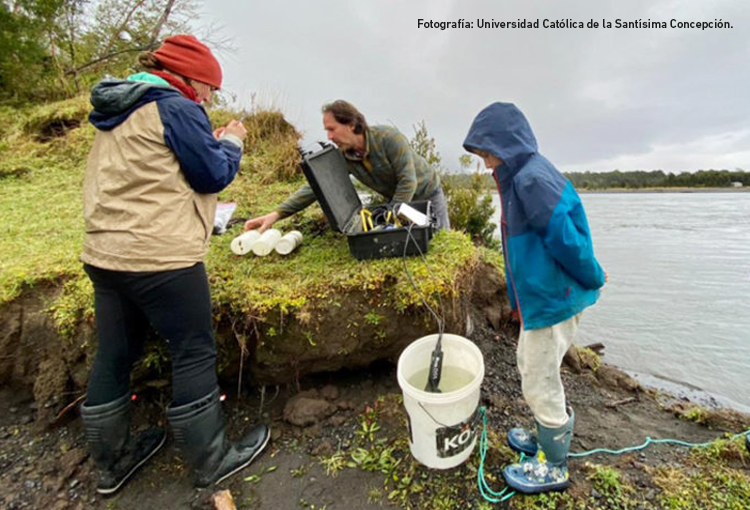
(442, 432)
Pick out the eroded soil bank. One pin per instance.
(308, 465)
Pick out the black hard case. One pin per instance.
(328, 175)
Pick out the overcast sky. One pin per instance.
(597, 98)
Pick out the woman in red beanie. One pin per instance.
(149, 203)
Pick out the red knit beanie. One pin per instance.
(188, 57)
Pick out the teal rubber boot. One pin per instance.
(547, 470)
(522, 441)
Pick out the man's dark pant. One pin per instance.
(440, 208)
(177, 303)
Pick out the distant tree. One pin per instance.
(51, 49)
(424, 145)
(464, 161)
(24, 57)
(657, 179)
(469, 207)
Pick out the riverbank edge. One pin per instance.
(664, 190)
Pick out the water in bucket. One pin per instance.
(442, 432)
(452, 378)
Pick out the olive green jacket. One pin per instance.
(389, 166)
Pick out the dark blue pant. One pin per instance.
(177, 304)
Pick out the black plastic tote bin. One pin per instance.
(328, 175)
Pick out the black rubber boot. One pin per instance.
(200, 436)
(116, 453)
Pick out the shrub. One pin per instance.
(470, 209)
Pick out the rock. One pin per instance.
(489, 296)
(304, 411)
(614, 378)
(337, 420)
(346, 405)
(330, 392)
(324, 449)
(494, 316)
(70, 461)
(61, 504)
(223, 500)
(496, 401)
(629, 383)
(313, 431)
(311, 393)
(572, 359)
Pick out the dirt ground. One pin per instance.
(49, 468)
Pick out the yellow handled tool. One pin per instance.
(366, 217)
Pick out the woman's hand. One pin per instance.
(235, 127)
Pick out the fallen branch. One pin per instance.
(612, 405)
(69, 407)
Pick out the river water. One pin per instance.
(677, 305)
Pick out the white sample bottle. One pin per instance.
(243, 243)
(266, 242)
(289, 242)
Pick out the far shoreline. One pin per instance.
(743, 189)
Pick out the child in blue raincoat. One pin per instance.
(552, 275)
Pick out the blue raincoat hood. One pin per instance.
(503, 131)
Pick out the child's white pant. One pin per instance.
(540, 354)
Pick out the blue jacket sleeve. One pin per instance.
(209, 165)
(568, 240)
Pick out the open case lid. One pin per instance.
(328, 175)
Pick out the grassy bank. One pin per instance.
(42, 159)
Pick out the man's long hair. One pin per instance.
(346, 113)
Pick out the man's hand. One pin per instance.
(262, 223)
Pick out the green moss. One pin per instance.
(695, 413)
(589, 358)
(373, 318)
(712, 487)
(323, 267)
(609, 483)
(493, 257)
(713, 477)
(549, 501)
(722, 450)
